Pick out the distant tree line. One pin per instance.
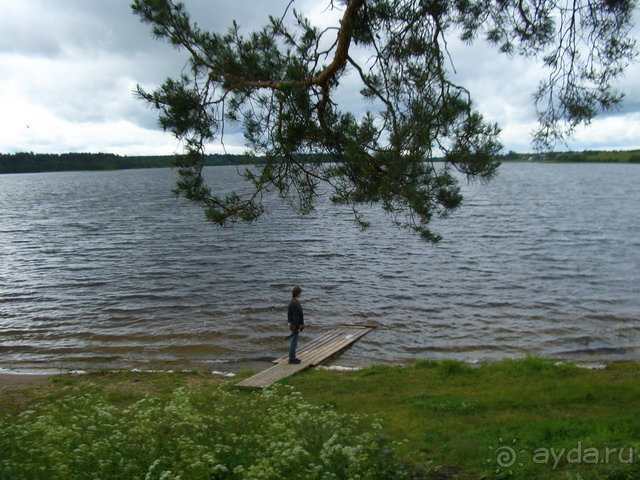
(26, 162)
(586, 156)
(29, 162)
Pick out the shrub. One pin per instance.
(217, 434)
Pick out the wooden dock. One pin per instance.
(311, 354)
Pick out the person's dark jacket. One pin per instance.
(295, 315)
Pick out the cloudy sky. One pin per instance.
(68, 69)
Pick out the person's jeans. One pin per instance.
(293, 344)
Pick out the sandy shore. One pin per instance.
(22, 380)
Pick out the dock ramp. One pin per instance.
(311, 354)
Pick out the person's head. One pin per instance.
(295, 293)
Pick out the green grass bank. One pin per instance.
(522, 419)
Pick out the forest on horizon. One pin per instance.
(29, 162)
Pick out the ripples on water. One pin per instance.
(108, 270)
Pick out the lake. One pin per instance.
(109, 270)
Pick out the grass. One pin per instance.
(522, 419)
(458, 416)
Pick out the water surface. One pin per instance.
(108, 270)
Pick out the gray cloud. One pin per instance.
(74, 63)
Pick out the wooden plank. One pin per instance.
(316, 352)
(322, 354)
(348, 335)
(271, 375)
(326, 338)
(361, 325)
(316, 343)
(309, 346)
(323, 340)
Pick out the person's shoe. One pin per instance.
(294, 360)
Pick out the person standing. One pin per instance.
(295, 316)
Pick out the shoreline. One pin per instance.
(28, 378)
(9, 380)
